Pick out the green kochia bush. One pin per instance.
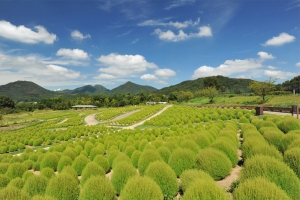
(122, 172)
(147, 156)
(204, 189)
(188, 176)
(79, 163)
(16, 182)
(259, 188)
(292, 159)
(35, 185)
(214, 162)
(39, 197)
(91, 169)
(63, 187)
(13, 193)
(15, 170)
(164, 152)
(286, 140)
(102, 161)
(182, 159)
(135, 157)
(4, 180)
(3, 167)
(64, 161)
(138, 188)
(273, 170)
(97, 188)
(47, 172)
(121, 157)
(165, 178)
(229, 150)
(70, 171)
(50, 160)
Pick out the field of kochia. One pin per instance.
(180, 154)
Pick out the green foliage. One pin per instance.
(47, 172)
(50, 160)
(165, 178)
(35, 185)
(13, 193)
(292, 159)
(69, 170)
(3, 167)
(135, 158)
(164, 153)
(273, 170)
(188, 176)
(91, 169)
(214, 162)
(289, 123)
(39, 197)
(147, 156)
(64, 161)
(4, 180)
(16, 182)
(210, 92)
(138, 188)
(121, 157)
(262, 88)
(27, 174)
(97, 188)
(259, 188)
(63, 187)
(286, 140)
(229, 150)
(95, 151)
(204, 189)
(6, 102)
(102, 161)
(122, 172)
(79, 164)
(181, 160)
(15, 170)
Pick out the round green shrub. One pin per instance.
(129, 150)
(165, 178)
(39, 197)
(64, 161)
(28, 164)
(70, 171)
(244, 119)
(189, 144)
(112, 154)
(15, 170)
(273, 170)
(91, 169)
(97, 188)
(16, 182)
(102, 161)
(35, 185)
(295, 143)
(15, 159)
(3, 167)
(95, 151)
(27, 174)
(63, 187)
(122, 172)
(259, 188)
(292, 159)
(70, 152)
(164, 153)
(288, 124)
(36, 166)
(273, 137)
(202, 140)
(147, 156)
(135, 158)
(286, 140)
(181, 160)
(121, 157)
(204, 189)
(13, 193)
(50, 160)
(47, 172)
(138, 188)
(214, 162)
(4, 180)
(188, 176)
(79, 164)
(230, 151)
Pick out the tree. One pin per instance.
(263, 88)
(210, 92)
(212, 81)
(6, 102)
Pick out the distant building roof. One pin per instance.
(84, 106)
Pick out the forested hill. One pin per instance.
(132, 88)
(231, 85)
(25, 91)
(87, 89)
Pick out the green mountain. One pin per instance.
(132, 88)
(25, 91)
(231, 85)
(87, 89)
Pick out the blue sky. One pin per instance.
(66, 44)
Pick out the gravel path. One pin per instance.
(90, 120)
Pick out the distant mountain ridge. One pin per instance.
(29, 91)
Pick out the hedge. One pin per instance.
(165, 178)
(138, 188)
(97, 188)
(188, 176)
(181, 160)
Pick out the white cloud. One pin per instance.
(265, 56)
(283, 38)
(57, 70)
(298, 64)
(76, 54)
(165, 73)
(148, 77)
(26, 35)
(176, 24)
(271, 67)
(124, 65)
(204, 31)
(76, 35)
(279, 74)
(178, 3)
(104, 76)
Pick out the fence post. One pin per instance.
(259, 110)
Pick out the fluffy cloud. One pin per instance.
(31, 67)
(279, 74)
(148, 77)
(271, 67)
(178, 25)
(160, 76)
(104, 76)
(178, 3)
(283, 38)
(76, 54)
(76, 35)
(265, 56)
(165, 73)
(26, 35)
(124, 65)
(298, 64)
(204, 31)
